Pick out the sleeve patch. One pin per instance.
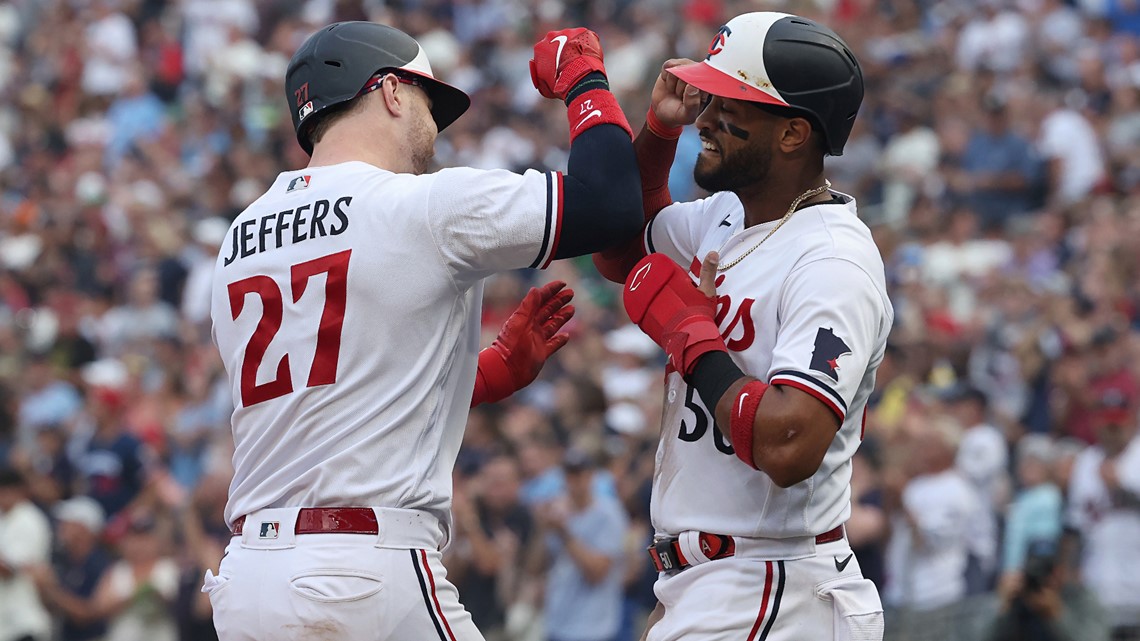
(828, 349)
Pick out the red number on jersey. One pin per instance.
(323, 369)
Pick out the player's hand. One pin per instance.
(675, 102)
(662, 300)
(530, 334)
(562, 58)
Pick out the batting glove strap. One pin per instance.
(593, 108)
(744, 418)
(494, 380)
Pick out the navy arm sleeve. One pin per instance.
(601, 193)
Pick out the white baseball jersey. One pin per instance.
(346, 305)
(808, 308)
(1110, 531)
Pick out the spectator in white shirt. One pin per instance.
(25, 542)
(983, 460)
(932, 525)
(1104, 508)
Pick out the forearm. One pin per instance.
(784, 442)
(593, 565)
(601, 190)
(655, 153)
(484, 555)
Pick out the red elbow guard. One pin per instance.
(744, 417)
(592, 108)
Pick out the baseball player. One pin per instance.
(773, 356)
(346, 305)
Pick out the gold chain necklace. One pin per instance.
(811, 193)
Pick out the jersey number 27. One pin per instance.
(323, 369)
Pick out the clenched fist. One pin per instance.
(562, 58)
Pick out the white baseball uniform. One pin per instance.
(346, 307)
(807, 308)
(1109, 530)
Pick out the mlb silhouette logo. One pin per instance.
(270, 529)
(300, 182)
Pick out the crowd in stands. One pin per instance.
(996, 158)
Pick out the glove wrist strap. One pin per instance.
(592, 108)
(493, 380)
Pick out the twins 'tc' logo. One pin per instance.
(717, 44)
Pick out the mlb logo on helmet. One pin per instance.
(300, 182)
(270, 529)
(305, 110)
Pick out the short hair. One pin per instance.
(319, 125)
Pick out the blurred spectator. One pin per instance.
(47, 400)
(1047, 603)
(932, 522)
(68, 585)
(111, 461)
(908, 161)
(1104, 508)
(998, 169)
(1035, 514)
(982, 459)
(136, 593)
(584, 536)
(25, 542)
(868, 528)
(493, 531)
(1068, 143)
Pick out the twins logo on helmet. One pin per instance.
(717, 44)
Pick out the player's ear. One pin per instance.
(795, 134)
(395, 101)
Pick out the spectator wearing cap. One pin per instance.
(1104, 509)
(68, 586)
(584, 541)
(25, 542)
(111, 462)
(1035, 514)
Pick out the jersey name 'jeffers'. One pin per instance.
(291, 225)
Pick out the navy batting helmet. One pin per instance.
(336, 63)
(785, 61)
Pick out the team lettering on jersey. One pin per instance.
(291, 226)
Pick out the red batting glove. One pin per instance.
(526, 340)
(562, 58)
(661, 298)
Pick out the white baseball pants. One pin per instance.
(822, 597)
(274, 585)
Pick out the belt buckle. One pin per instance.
(664, 555)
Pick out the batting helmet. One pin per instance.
(336, 63)
(786, 61)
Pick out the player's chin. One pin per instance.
(708, 165)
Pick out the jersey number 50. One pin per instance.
(323, 369)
